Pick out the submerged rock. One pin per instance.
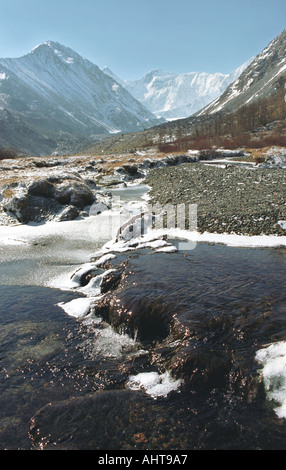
(84, 423)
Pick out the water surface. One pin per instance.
(201, 315)
(168, 360)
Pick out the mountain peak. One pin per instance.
(66, 54)
(53, 45)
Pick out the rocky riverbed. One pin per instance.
(232, 196)
(230, 199)
(42, 189)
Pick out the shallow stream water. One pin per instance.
(176, 354)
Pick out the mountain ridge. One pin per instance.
(255, 81)
(44, 75)
(61, 95)
(175, 96)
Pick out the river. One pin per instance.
(106, 348)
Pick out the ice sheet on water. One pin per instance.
(167, 249)
(273, 361)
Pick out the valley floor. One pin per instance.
(233, 195)
(229, 198)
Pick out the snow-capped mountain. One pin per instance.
(59, 94)
(174, 96)
(258, 81)
(251, 109)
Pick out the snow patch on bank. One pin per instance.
(282, 224)
(273, 373)
(251, 241)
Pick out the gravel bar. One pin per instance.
(231, 199)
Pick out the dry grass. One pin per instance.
(8, 193)
(259, 154)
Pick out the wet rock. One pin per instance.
(111, 281)
(84, 423)
(201, 367)
(144, 318)
(87, 276)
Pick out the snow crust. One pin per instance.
(154, 384)
(78, 307)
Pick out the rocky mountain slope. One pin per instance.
(57, 99)
(174, 96)
(257, 81)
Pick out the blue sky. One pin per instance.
(133, 37)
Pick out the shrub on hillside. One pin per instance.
(7, 154)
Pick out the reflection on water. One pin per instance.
(200, 316)
(34, 349)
